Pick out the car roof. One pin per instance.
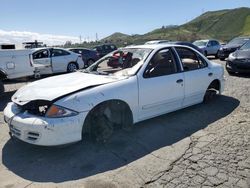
(156, 46)
(80, 49)
(47, 48)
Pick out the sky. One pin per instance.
(56, 21)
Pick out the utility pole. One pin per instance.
(96, 37)
(80, 37)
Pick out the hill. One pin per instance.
(222, 25)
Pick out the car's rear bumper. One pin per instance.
(41, 130)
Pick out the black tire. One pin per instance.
(1, 88)
(209, 95)
(72, 67)
(216, 55)
(90, 62)
(205, 53)
(222, 59)
(212, 90)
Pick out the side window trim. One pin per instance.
(199, 57)
(175, 59)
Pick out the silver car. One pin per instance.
(209, 47)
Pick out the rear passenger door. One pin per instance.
(60, 60)
(197, 75)
(161, 87)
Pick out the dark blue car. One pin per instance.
(88, 56)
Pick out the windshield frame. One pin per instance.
(201, 42)
(244, 45)
(123, 72)
(240, 41)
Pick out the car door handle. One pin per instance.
(179, 81)
(210, 74)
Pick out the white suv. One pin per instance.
(209, 47)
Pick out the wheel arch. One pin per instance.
(215, 84)
(110, 103)
(75, 62)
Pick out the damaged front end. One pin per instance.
(36, 107)
(44, 108)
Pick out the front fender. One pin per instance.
(125, 90)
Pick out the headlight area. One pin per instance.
(32, 124)
(47, 109)
(56, 111)
(231, 57)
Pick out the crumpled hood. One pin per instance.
(57, 86)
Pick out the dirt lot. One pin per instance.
(206, 145)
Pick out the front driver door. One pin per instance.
(42, 61)
(161, 87)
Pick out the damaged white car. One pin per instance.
(126, 86)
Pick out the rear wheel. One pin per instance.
(222, 59)
(217, 55)
(72, 67)
(1, 88)
(212, 90)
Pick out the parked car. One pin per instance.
(156, 41)
(188, 44)
(158, 79)
(56, 60)
(5, 46)
(15, 64)
(104, 49)
(233, 45)
(239, 61)
(88, 56)
(209, 47)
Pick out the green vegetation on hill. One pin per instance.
(222, 25)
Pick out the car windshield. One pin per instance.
(200, 43)
(246, 46)
(125, 62)
(238, 41)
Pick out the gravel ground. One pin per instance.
(206, 145)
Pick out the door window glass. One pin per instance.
(162, 63)
(41, 54)
(190, 60)
(58, 52)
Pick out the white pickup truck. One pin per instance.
(15, 64)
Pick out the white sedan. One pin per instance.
(56, 60)
(126, 86)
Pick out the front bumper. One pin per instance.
(41, 130)
(237, 66)
(225, 53)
